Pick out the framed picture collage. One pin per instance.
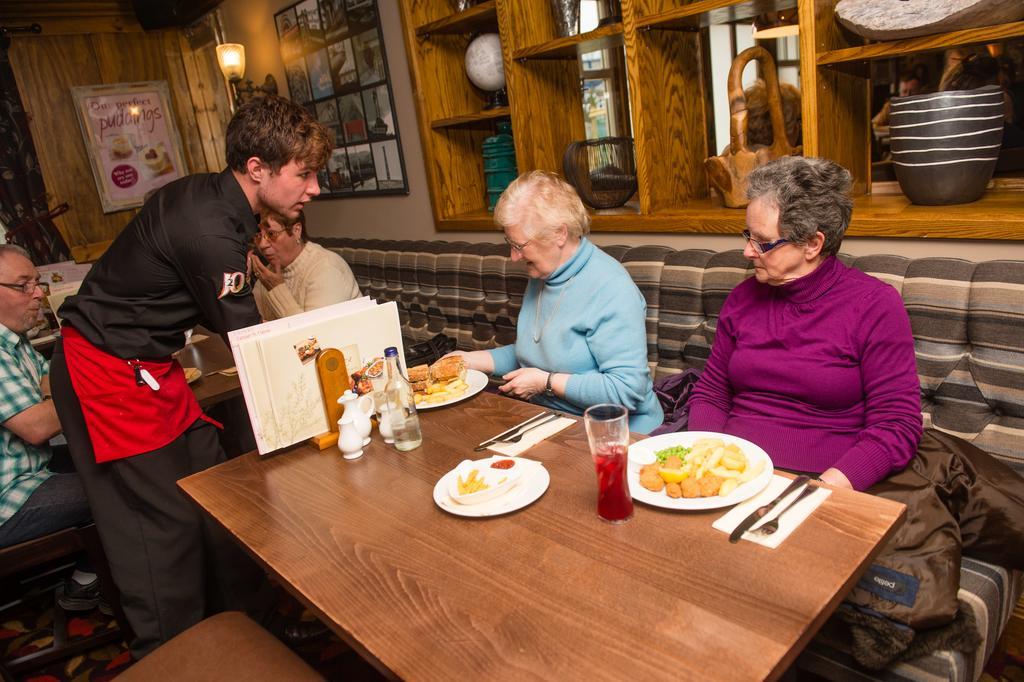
(333, 52)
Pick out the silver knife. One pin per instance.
(763, 510)
(512, 431)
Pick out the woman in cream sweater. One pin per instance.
(301, 275)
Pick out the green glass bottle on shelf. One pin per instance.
(499, 162)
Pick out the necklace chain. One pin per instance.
(538, 328)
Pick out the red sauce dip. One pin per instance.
(503, 464)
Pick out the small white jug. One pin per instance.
(384, 424)
(350, 442)
(359, 408)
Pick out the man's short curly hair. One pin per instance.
(277, 131)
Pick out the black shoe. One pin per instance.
(296, 632)
(74, 596)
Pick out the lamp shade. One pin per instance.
(231, 57)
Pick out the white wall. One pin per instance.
(251, 22)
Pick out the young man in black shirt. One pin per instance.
(133, 426)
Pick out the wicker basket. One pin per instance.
(603, 171)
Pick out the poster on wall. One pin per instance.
(333, 52)
(131, 140)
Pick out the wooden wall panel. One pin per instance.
(46, 68)
(669, 105)
(211, 100)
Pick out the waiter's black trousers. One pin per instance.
(172, 564)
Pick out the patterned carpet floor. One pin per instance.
(29, 627)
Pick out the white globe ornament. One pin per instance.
(486, 69)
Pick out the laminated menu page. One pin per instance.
(277, 368)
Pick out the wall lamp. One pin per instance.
(231, 57)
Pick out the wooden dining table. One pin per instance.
(549, 591)
(208, 353)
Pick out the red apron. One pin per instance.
(123, 418)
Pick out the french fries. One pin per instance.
(472, 484)
(711, 467)
(441, 392)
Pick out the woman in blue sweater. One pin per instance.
(581, 337)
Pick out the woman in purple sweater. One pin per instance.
(812, 360)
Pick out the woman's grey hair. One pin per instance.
(812, 195)
(546, 198)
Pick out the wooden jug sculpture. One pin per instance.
(728, 172)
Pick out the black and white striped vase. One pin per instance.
(945, 144)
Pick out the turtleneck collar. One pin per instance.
(569, 268)
(813, 284)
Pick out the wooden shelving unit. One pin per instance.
(704, 13)
(902, 48)
(485, 116)
(669, 106)
(477, 18)
(571, 47)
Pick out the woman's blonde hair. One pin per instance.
(546, 198)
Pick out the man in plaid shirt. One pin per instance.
(34, 500)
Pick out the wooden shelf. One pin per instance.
(668, 97)
(899, 48)
(695, 15)
(612, 219)
(482, 16)
(572, 46)
(997, 215)
(466, 120)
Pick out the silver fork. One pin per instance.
(519, 436)
(773, 525)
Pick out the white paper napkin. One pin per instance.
(533, 437)
(794, 515)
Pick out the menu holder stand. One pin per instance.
(334, 381)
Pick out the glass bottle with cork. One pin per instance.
(401, 407)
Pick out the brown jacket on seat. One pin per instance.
(959, 500)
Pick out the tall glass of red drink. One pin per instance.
(608, 434)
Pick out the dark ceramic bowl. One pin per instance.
(945, 144)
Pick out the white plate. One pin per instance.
(642, 452)
(530, 486)
(499, 481)
(477, 382)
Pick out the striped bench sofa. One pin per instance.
(968, 325)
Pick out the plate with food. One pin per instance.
(696, 470)
(491, 487)
(445, 382)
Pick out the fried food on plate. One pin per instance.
(709, 467)
(650, 478)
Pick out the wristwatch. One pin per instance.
(548, 391)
